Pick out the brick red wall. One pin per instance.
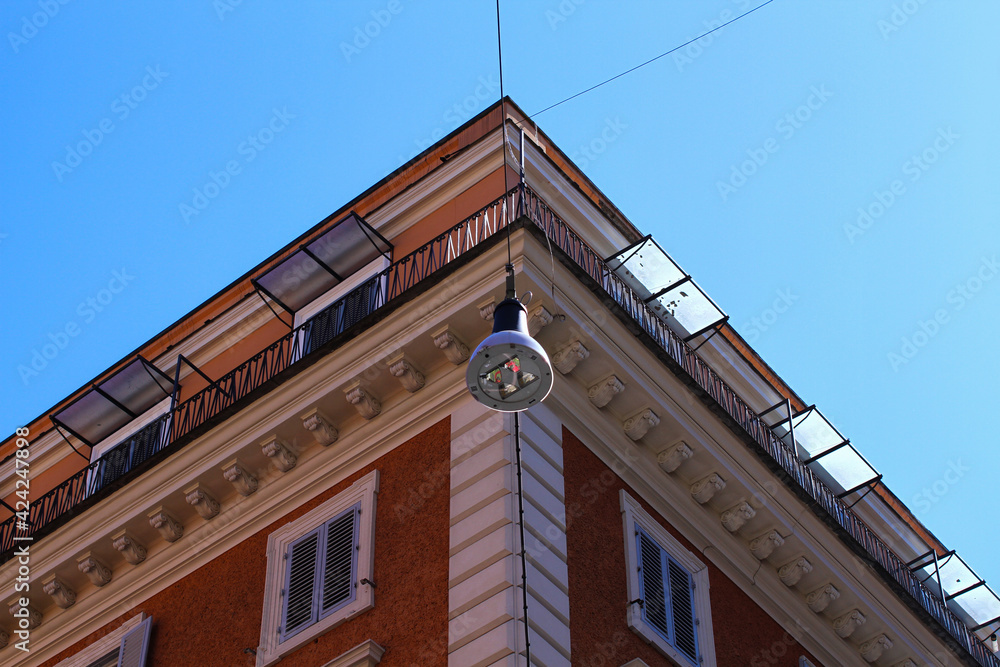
(745, 635)
(210, 616)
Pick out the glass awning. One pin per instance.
(965, 592)
(323, 263)
(114, 402)
(668, 291)
(818, 441)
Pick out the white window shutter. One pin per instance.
(654, 601)
(340, 561)
(135, 645)
(682, 606)
(299, 591)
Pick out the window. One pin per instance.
(126, 646)
(668, 590)
(319, 571)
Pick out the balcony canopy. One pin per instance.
(669, 292)
(966, 593)
(114, 402)
(323, 263)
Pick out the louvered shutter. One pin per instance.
(340, 561)
(135, 645)
(682, 606)
(299, 602)
(654, 601)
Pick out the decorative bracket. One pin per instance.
(566, 359)
(538, 318)
(454, 349)
(873, 649)
(59, 591)
(367, 405)
(736, 517)
(703, 490)
(764, 545)
(129, 547)
(320, 426)
(821, 598)
(403, 370)
(486, 309)
(791, 573)
(601, 393)
(237, 475)
(637, 426)
(21, 612)
(671, 458)
(279, 453)
(202, 501)
(848, 623)
(170, 528)
(95, 569)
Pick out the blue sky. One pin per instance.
(826, 170)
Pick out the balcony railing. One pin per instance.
(315, 337)
(798, 473)
(243, 384)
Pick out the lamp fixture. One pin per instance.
(510, 370)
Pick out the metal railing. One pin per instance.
(311, 339)
(240, 385)
(761, 433)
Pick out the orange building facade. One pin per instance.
(296, 472)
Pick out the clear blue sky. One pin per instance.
(826, 170)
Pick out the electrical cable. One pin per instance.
(617, 76)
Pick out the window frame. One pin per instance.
(273, 644)
(633, 517)
(111, 642)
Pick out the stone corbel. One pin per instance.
(566, 359)
(821, 598)
(538, 318)
(454, 349)
(403, 370)
(202, 501)
(320, 426)
(636, 427)
(129, 547)
(764, 545)
(95, 569)
(848, 623)
(601, 393)
(20, 612)
(907, 662)
(486, 309)
(169, 528)
(4, 639)
(279, 453)
(791, 573)
(873, 649)
(367, 405)
(703, 490)
(241, 479)
(736, 517)
(59, 591)
(671, 458)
